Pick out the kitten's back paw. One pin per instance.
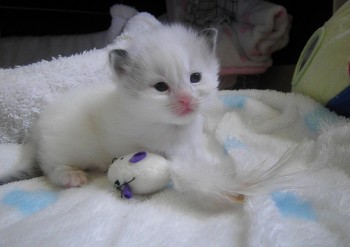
(69, 177)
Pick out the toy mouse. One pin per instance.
(139, 173)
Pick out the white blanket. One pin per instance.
(305, 202)
(312, 210)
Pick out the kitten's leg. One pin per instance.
(67, 176)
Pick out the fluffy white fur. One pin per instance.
(85, 129)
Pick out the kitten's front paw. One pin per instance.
(70, 178)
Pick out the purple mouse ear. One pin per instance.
(126, 191)
(138, 157)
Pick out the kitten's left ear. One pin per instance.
(120, 60)
(210, 36)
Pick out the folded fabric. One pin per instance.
(261, 28)
(232, 56)
(250, 31)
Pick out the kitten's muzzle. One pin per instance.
(186, 104)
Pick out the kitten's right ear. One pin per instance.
(210, 36)
(120, 60)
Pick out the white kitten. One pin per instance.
(163, 81)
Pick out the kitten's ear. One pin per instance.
(120, 60)
(210, 36)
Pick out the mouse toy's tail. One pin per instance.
(17, 162)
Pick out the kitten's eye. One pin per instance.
(161, 86)
(195, 77)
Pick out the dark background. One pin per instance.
(39, 17)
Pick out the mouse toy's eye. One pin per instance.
(195, 77)
(161, 86)
(117, 183)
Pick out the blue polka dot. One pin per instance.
(231, 143)
(319, 118)
(234, 101)
(169, 185)
(291, 205)
(29, 202)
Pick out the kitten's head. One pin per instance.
(168, 72)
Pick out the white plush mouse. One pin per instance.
(139, 173)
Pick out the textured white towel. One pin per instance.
(18, 51)
(25, 90)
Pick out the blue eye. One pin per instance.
(195, 77)
(161, 86)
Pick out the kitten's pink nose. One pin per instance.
(185, 104)
(185, 100)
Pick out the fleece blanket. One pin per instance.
(305, 204)
(291, 154)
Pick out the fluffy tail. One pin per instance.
(221, 184)
(17, 162)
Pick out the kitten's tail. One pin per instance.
(24, 167)
(223, 186)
